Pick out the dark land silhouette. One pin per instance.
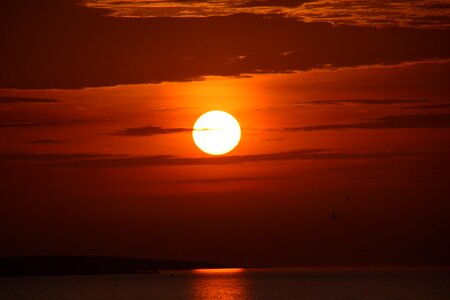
(91, 265)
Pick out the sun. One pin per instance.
(216, 132)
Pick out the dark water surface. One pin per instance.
(234, 284)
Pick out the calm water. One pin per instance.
(234, 284)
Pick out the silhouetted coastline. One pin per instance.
(90, 265)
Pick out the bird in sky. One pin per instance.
(332, 216)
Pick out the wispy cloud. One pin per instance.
(430, 121)
(232, 179)
(366, 101)
(45, 141)
(13, 100)
(167, 160)
(30, 124)
(149, 131)
(429, 106)
(43, 123)
(271, 3)
(46, 157)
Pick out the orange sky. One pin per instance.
(97, 154)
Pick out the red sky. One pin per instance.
(339, 111)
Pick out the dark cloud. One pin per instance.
(367, 101)
(221, 3)
(234, 179)
(409, 13)
(10, 100)
(430, 20)
(45, 141)
(74, 46)
(281, 3)
(429, 106)
(167, 160)
(47, 156)
(107, 160)
(430, 121)
(149, 131)
(42, 123)
(343, 12)
(31, 124)
(436, 5)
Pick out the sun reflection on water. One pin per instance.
(220, 284)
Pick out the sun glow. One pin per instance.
(220, 271)
(216, 132)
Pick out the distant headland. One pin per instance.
(52, 265)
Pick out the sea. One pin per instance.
(227, 284)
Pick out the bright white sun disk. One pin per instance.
(216, 132)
